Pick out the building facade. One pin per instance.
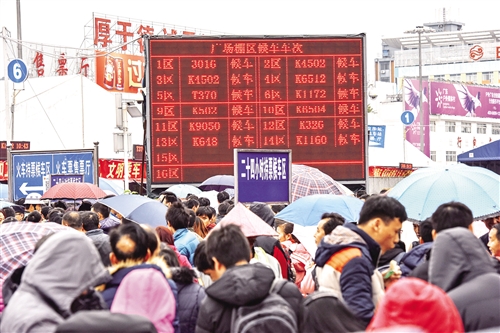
(465, 61)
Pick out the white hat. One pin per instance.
(33, 199)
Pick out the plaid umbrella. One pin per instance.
(307, 180)
(17, 241)
(74, 191)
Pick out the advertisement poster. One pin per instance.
(457, 99)
(119, 72)
(412, 104)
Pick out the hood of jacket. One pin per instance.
(412, 302)
(65, 265)
(263, 211)
(241, 285)
(457, 257)
(146, 292)
(348, 235)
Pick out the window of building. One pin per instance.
(487, 77)
(451, 156)
(384, 66)
(438, 77)
(449, 126)
(481, 128)
(471, 77)
(466, 127)
(385, 53)
(455, 77)
(495, 129)
(433, 155)
(432, 126)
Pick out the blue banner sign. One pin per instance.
(28, 170)
(377, 135)
(262, 175)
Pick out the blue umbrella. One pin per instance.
(217, 183)
(425, 189)
(151, 213)
(125, 203)
(138, 209)
(307, 211)
(110, 185)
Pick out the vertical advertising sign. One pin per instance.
(412, 104)
(118, 72)
(262, 175)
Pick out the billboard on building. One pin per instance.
(458, 99)
(412, 104)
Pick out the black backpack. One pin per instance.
(272, 315)
(323, 312)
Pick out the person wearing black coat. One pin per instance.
(237, 283)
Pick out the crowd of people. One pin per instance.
(95, 270)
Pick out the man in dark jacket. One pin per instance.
(90, 222)
(237, 283)
(446, 216)
(418, 254)
(348, 256)
(463, 269)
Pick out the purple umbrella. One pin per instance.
(217, 183)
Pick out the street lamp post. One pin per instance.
(420, 30)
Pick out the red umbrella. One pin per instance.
(75, 191)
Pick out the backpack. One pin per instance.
(338, 318)
(273, 247)
(271, 315)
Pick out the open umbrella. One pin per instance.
(138, 208)
(111, 186)
(152, 213)
(251, 225)
(306, 212)
(183, 190)
(425, 189)
(125, 203)
(75, 191)
(307, 180)
(17, 242)
(217, 183)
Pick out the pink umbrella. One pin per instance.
(251, 225)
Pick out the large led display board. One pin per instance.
(210, 95)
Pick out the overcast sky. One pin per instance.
(61, 22)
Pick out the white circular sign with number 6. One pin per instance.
(17, 71)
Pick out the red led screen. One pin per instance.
(208, 96)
